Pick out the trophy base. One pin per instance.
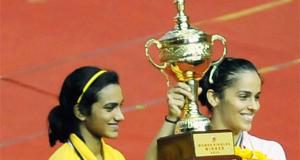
(211, 145)
(193, 124)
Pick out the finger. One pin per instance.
(176, 103)
(183, 92)
(175, 93)
(176, 97)
(199, 91)
(183, 86)
(174, 111)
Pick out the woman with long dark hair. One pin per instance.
(231, 92)
(89, 110)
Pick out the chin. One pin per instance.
(246, 127)
(112, 135)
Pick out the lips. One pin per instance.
(247, 116)
(114, 126)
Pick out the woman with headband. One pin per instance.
(89, 110)
(231, 92)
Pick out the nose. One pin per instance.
(254, 105)
(119, 115)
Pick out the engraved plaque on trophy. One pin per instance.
(186, 54)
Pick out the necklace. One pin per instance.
(239, 140)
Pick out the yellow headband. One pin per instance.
(88, 84)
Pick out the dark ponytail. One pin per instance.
(57, 128)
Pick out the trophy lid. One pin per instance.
(186, 36)
(183, 33)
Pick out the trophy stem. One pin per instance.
(192, 119)
(193, 104)
(181, 18)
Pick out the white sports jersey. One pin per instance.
(272, 149)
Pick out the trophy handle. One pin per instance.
(158, 45)
(216, 63)
(222, 39)
(161, 67)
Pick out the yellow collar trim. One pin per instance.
(81, 147)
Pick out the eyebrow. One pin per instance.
(114, 103)
(248, 92)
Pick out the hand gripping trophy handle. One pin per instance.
(161, 67)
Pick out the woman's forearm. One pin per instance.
(166, 130)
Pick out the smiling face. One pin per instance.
(106, 113)
(240, 101)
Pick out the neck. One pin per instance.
(236, 137)
(92, 142)
(219, 126)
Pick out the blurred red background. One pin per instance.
(43, 40)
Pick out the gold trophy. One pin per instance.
(186, 54)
